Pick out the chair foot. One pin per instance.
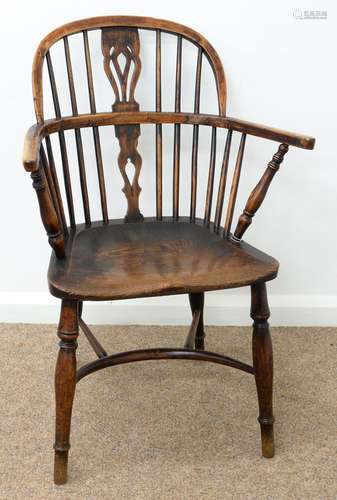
(263, 366)
(197, 303)
(65, 382)
(267, 438)
(60, 466)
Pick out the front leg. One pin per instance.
(263, 366)
(65, 381)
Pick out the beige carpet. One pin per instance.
(170, 429)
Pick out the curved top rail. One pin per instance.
(132, 22)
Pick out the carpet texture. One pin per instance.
(173, 430)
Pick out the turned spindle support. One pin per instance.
(48, 212)
(65, 383)
(259, 192)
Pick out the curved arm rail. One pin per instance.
(157, 354)
(37, 132)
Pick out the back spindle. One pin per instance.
(176, 151)
(222, 182)
(90, 80)
(62, 141)
(159, 132)
(95, 131)
(78, 136)
(50, 183)
(195, 140)
(56, 184)
(210, 183)
(235, 186)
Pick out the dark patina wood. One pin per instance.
(194, 163)
(117, 42)
(190, 339)
(222, 183)
(159, 132)
(197, 305)
(62, 142)
(160, 353)
(65, 381)
(186, 253)
(39, 131)
(263, 365)
(48, 213)
(97, 142)
(235, 186)
(97, 347)
(121, 261)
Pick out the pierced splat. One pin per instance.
(116, 43)
(120, 46)
(128, 140)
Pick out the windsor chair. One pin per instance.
(109, 259)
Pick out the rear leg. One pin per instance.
(197, 304)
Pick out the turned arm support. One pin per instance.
(259, 192)
(32, 163)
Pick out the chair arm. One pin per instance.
(35, 135)
(37, 132)
(274, 134)
(258, 194)
(31, 147)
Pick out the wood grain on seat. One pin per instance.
(125, 260)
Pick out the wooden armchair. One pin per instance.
(138, 256)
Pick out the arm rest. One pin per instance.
(31, 147)
(37, 132)
(274, 134)
(35, 135)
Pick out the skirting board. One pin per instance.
(221, 308)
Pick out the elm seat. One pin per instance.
(125, 260)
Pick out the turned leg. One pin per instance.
(65, 381)
(197, 303)
(263, 365)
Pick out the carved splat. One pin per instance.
(128, 140)
(118, 44)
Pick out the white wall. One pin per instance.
(280, 71)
